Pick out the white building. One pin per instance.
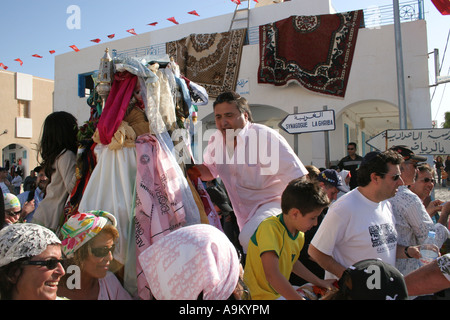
(371, 100)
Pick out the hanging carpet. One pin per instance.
(210, 60)
(315, 51)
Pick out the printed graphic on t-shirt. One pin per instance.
(383, 237)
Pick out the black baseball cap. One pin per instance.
(408, 154)
(373, 279)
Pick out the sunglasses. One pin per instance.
(13, 214)
(102, 252)
(395, 177)
(50, 264)
(426, 180)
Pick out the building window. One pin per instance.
(347, 134)
(85, 84)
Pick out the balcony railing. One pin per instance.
(374, 17)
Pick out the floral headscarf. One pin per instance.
(11, 201)
(82, 227)
(24, 240)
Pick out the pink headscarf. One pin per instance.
(188, 261)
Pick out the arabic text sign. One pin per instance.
(420, 141)
(309, 122)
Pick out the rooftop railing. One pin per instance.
(374, 17)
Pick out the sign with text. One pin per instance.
(420, 141)
(308, 122)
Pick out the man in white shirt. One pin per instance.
(254, 162)
(360, 225)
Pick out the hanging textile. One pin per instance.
(159, 200)
(314, 51)
(116, 105)
(443, 6)
(210, 60)
(111, 186)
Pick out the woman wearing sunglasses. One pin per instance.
(30, 263)
(88, 243)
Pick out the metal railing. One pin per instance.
(374, 17)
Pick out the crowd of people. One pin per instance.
(288, 231)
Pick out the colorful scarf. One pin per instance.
(116, 105)
(11, 201)
(82, 227)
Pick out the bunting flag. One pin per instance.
(52, 51)
(37, 56)
(96, 40)
(153, 24)
(3, 66)
(111, 35)
(443, 6)
(172, 19)
(194, 13)
(236, 1)
(18, 60)
(74, 47)
(132, 31)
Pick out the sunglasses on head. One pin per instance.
(50, 264)
(102, 252)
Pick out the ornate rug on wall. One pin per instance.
(315, 51)
(210, 60)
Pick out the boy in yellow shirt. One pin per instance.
(275, 246)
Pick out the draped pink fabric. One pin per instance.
(116, 105)
(159, 209)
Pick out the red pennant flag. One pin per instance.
(443, 6)
(256, 1)
(52, 51)
(74, 47)
(194, 13)
(132, 31)
(236, 1)
(18, 60)
(172, 19)
(3, 66)
(37, 56)
(153, 24)
(96, 40)
(111, 36)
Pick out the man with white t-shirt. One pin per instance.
(360, 225)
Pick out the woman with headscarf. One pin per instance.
(30, 263)
(345, 177)
(88, 243)
(193, 262)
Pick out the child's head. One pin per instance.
(306, 197)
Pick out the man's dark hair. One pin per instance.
(304, 195)
(376, 162)
(234, 98)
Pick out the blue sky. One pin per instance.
(30, 27)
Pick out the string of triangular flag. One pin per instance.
(111, 36)
(98, 40)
